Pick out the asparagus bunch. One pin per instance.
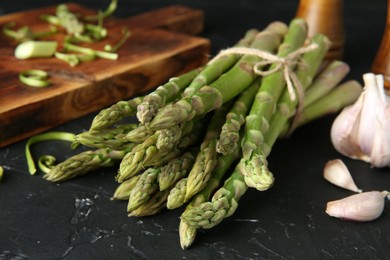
(213, 123)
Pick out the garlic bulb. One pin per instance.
(362, 130)
(365, 206)
(336, 172)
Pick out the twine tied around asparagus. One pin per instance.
(284, 64)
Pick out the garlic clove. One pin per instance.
(362, 207)
(368, 114)
(337, 173)
(344, 129)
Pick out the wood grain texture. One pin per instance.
(154, 53)
(326, 17)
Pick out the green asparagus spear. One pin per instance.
(107, 138)
(224, 162)
(207, 157)
(223, 204)
(154, 205)
(257, 122)
(122, 192)
(163, 94)
(305, 72)
(213, 71)
(144, 188)
(146, 154)
(228, 140)
(111, 115)
(83, 163)
(176, 169)
(177, 194)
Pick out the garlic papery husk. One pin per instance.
(344, 129)
(362, 130)
(362, 207)
(337, 173)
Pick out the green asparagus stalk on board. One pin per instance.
(225, 88)
(164, 94)
(113, 114)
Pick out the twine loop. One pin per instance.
(283, 64)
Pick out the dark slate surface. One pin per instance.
(77, 219)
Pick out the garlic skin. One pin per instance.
(337, 173)
(362, 207)
(361, 130)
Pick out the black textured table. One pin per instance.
(77, 219)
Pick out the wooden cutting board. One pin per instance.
(161, 45)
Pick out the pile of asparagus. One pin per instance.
(203, 138)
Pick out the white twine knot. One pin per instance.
(284, 64)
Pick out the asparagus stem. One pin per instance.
(139, 134)
(225, 88)
(330, 77)
(146, 154)
(235, 119)
(111, 115)
(109, 10)
(207, 157)
(163, 94)
(341, 96)
(107, 138)
(35, 49)
(68, 20)
(83, 163)
(225, 200)
(213, 71)
(223, 204)
(305, 73)
(176, 169)
(144, 188)
(122, 192)
(224, 162)
(257, 122)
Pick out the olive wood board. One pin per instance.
(162, 45)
